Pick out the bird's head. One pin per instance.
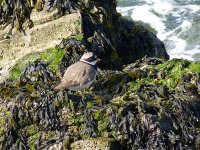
(90, 58)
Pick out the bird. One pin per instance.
(81, 74)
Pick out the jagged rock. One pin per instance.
(115, 40)
(134, 42)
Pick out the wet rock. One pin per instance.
(134, 42)
(37, 72)
(111, 84)
(115, 40)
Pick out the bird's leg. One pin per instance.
(82, 98)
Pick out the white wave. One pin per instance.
(182, 56)
(156, 13)
(178, 47)
(186, 25)
(192, 8)
(144, 14)
(193, 51)
(163, 7)
(124, 10)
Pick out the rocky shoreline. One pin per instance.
(140, 100)
(152, 103)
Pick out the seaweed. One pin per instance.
(51, 56)
(152, 115)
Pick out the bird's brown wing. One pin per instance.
(76, 75)
(65, 84)
(88, 75)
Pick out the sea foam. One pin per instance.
(172, 20)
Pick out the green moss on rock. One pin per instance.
(79, 37)
(168, 73)
(18, 68)
(194, 67)
(53, 56)
(146, 26)
(174, 69)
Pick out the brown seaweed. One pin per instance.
(150, 116)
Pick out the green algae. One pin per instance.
(79, 37)
(135, 85)
(66, 142)
(169, 73)
(33, 140)
(3, 117)
(33, 133)
(147, 26)
(53, 56)
(175, 68)
(31, 130)
(44, 135)
(18, 68)
(194, 67)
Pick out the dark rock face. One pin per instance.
(134, 42)
(115, 40)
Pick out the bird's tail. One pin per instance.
(59, 86)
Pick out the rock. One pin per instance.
(117, 41)
(56, 147)
(46, 34)
(92, 144)
(136, 42)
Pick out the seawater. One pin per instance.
(177, 23)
